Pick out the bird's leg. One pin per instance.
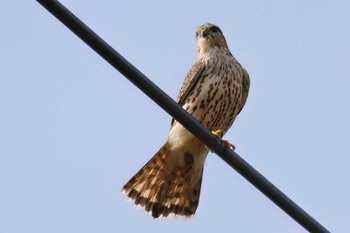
(218, 133)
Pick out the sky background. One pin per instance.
(73, 130)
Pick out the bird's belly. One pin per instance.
(216, 104)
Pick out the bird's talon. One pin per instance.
(229, 145)
(218, 133)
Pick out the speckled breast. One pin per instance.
(215, 99)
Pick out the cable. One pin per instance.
(177, 112)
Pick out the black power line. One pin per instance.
(177, 112)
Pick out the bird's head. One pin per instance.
(209, 37)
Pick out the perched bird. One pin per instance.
(214, 92)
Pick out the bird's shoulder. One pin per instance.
(191, 79)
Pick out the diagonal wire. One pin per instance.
(177, 112)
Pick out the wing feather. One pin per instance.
(245, 89)
(189, 83)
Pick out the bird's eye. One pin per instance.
(215, 29)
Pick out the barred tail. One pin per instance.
(166, 188)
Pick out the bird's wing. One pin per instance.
(245, 89)
(189, 83)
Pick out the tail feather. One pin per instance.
(164, 188)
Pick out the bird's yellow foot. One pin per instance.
(218, 133)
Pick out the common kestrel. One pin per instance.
(214, 92)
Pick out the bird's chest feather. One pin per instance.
(215, 99)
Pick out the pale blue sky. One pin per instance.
(73, 130)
